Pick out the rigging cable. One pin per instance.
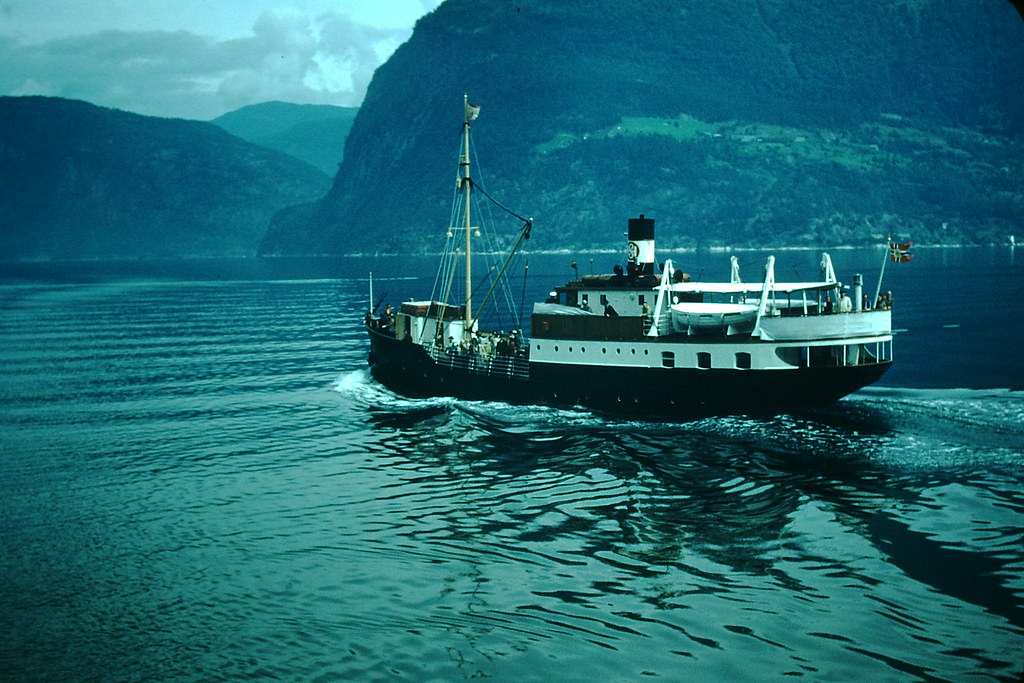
(501, 283)
(523, 235)
(499, 204)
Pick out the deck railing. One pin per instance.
(496, 364)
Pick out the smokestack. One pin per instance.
(641, 245)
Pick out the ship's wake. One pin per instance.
(920, 428)
(386, 408)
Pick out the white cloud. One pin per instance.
(309, 55)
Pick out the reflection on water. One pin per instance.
(201, 481)
(808, 506)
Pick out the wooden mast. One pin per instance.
(464, 164)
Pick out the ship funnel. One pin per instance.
(641, 246)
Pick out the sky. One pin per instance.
(199, 59)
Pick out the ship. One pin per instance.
(646, 340)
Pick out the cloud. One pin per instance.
(353, 50)
(290, 56)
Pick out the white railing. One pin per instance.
(474, 362)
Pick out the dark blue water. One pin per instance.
(198, 481)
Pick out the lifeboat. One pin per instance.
(711, 318)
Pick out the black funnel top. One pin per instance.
(641, 228)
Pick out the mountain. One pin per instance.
(81, 181)
(743, 122)
(314, 133)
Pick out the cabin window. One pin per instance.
(641, 300)
(604, 299)
(668, 359)
(743, 360)
(704, 360)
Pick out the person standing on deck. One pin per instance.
(845, 303)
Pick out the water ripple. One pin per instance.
(202, 481)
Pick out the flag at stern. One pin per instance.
(900, 253)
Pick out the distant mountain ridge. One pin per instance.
(314, 133)
(743, 122)
(81, 181)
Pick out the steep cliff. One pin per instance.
(731, 121)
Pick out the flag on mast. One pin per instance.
(900, 253)
(472, 111)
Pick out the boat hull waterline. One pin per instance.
(658, 393)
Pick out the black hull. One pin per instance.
(645, 392)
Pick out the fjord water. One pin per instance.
(199, 481)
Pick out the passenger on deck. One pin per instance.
(828, 304)
(845, 302)
(486, 347)
(610, 312)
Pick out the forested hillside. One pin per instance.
(80, 181)
(314, 133)
(744, 122)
